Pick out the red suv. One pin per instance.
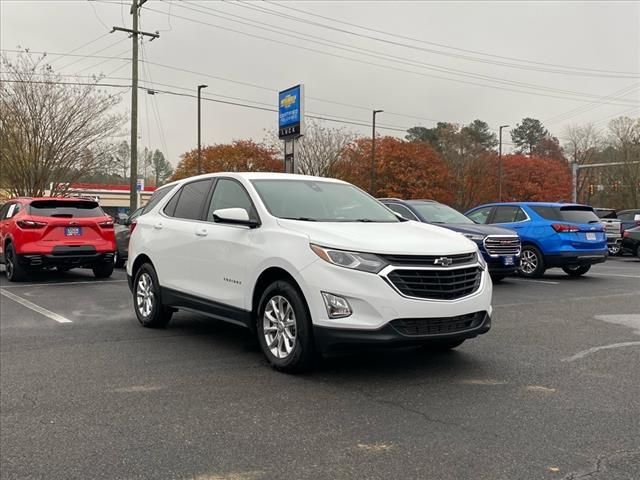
(42, 233)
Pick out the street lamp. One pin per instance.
(200, 87)
(500, 164)
(373, 153)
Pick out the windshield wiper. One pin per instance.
(302, 219)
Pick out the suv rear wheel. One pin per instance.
(14, 271)
(531, 262)
(147, 301)
(576, 270)
(104, 270)
(284, 328)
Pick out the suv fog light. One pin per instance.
(337, 307)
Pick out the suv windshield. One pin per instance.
(439, 213)
(319, 201)
(574, 214)
(65, 208)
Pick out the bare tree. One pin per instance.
(583, 145)
(319, 149)
(624, 137)
(50, 133)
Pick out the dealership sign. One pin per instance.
(291, 112)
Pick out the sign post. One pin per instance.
(290, 122)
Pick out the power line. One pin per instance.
(475, 52)
(10, 50)
(79, 48)
(388, 57)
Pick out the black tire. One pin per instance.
(301, 356)
(13, 270)
(442, 345)
(531, 262)
(158, 315)
(119, 261)
(638, 251)
(577, 270)
(63, 269)
(498, 278)
(104, 270)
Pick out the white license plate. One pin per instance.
(508, 260)
(591, 236)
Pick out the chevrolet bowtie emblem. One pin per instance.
(444, 261)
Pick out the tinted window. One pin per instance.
(136, 214)
(230, 194)
(65, 208)
(521, 215)
(604, 213)
(155, 198)
(628, 216)
(574, 214)
(170, 208)
(480, 215)
(3, 210)
(191, 200)
(402, 210)
(321, 201)
(505, 214)
(439, 213)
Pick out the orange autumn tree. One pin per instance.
(238, 156)
(535, 179)
(403, 169)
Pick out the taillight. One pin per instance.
(626, 234)
(564, 228)
(106, 224)
(30, 224)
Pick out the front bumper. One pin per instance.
(404, 332)
(375, 302)
(575, 258)
(497, 267)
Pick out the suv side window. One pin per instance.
(155, 199)
(190, 200)
(480, 215)
(521, 215)
(505, 214)
(3, 211)
(402, 210)
(12, 209)
(230, 194)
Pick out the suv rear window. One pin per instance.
(573, 214)
(604, 213)
(65, 208)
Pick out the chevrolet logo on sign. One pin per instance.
(444, 261)
(287, 101)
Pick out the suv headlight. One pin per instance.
(481, 260)
(476, 237)
(365, 262)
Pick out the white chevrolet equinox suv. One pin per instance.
(308, 264)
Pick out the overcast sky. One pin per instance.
(560, 57)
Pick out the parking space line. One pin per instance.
(60, 283)
(589, 351)
(615, 275)
(547, 282)
(35, 308)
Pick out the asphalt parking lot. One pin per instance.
(552, 392)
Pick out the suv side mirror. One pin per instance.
(234, 216)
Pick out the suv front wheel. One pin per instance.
(531, 262)
(284, 328)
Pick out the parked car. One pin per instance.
(65, 233)
(125, 226)
(631, 241)
(307, 264)
(568, 236)
(499, 246)
(612, 228)
(629, 218)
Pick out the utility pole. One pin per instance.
(133, 171)
(500, 164)
(200, 87)
(373, 153)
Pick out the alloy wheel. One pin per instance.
(528, 261)
(279, 327)
(613, 249)
(144, 295)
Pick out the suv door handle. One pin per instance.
(202, 232)
(158, 226)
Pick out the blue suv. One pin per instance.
(499, 247)
(562, 235)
